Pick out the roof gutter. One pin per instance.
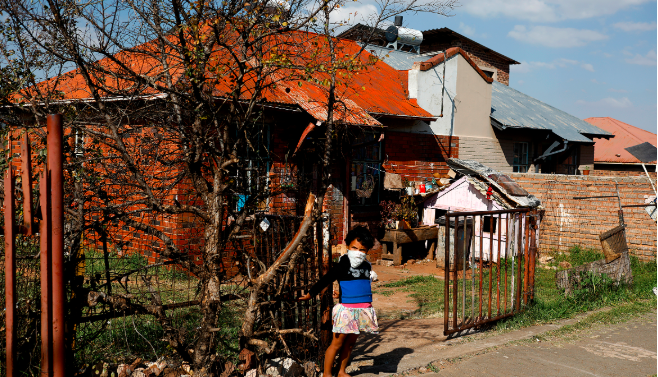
(549, 151)
(404, 116)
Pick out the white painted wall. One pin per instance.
(427, 88)
(466, 101)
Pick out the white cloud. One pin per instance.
(547, 10)
(587, 67)
(555, 37)
(351, 15)
(648, 59)
(526, 67)
(609, 102)
(467, 30)
(635, 26)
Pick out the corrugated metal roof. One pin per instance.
(400, 60)
(625, 136)
(490, 177)
(513, 109)
(369, 88)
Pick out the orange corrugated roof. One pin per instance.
(374, 88)
(614, 149)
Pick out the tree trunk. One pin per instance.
(618, 270)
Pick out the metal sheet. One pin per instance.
(513, 109)
(614, 150)
(645, 152)
(400, 60)
(508, 184)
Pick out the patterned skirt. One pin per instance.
(354, 321)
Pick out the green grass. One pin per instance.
(550, 303)
(426, 290)
(597, 292)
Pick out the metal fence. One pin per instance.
(490, 266)
(116, 270)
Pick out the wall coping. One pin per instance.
(564, 177)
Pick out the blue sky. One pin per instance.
(590, 58)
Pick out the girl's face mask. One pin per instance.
(356, 257)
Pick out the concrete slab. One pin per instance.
(405, 345)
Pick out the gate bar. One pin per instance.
(55, 166)
(46, 277)
(26, 180)
(10, 272)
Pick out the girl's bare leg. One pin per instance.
(345, 353)
(330, 355)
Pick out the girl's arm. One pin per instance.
(324, 281)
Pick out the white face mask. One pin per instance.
(356, 257)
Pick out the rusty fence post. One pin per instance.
(46, 283)
(10, 274)
(55, 167)
(446, 268)
(26, 181)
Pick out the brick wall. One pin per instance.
(614, 170)
(418, 156)
(567, 222)
(488, 151)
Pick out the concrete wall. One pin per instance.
(427, 88)
(466, 101)
(473, 102)
(568, 222)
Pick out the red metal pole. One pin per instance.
(26, 173)
(55, 167)
(46, 276)
(10, 274)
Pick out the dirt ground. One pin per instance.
(399, 302)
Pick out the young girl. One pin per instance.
(354, 312)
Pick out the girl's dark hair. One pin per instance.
(361, 234)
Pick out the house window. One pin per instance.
(438, 215)
(571, 163)
(250, 174)
(487, 224)
(365, 169)
(521, 158)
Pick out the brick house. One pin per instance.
(377, 116)
(495, 124)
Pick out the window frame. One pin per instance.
(521, 167)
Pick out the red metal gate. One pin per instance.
(51, 232)
(490, 266)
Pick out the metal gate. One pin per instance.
(490, 266)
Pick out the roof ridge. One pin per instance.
(452, 51)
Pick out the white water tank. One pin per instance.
(399, 37)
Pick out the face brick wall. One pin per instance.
(418, 156)
(567, 222)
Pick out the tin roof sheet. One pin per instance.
(400, 60)
(614, 150)
(371, 88)
(513, 109)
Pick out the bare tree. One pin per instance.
(163, 101)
